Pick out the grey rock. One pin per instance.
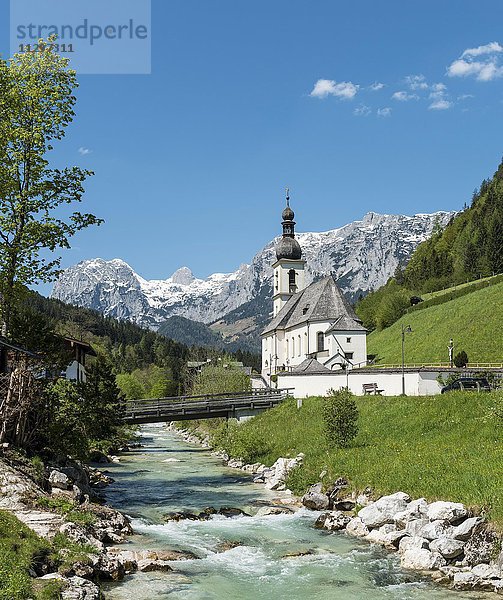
(265, 511)
(415, 510)
(420, 559)
(464, 580)
(80, 589)
(448, 511)
(480, 548)
(436, 529)
(448, 547)
(357, 528)
(332, 521)
(408, 543)
(314, 499)
(57, 479)
(147, 565)
(485, 571)
(414, 527)
(465, 529)
(383, 510)
(346, 504)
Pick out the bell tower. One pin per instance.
(289, 268)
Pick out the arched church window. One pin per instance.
(300, 342)
(292, 284)
(320, 338)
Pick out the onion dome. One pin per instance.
(288, 214)
(288, 247)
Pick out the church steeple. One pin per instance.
(289, 267)
(288, 247)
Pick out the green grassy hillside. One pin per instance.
(442, 447)
(474, 321)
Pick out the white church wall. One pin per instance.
(354, 342)
(416, 383)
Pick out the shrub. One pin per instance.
(461, 359)
(340, 418)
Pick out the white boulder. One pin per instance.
(314, 498)
(420, 559)
(465, 529)
(357, 528)
(383, 510)
(415, 510)
(448, 547)
(448, 511)
(414, 527)
(436, 529)
(407, 543)
(57, 479)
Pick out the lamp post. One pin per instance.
(405, 329)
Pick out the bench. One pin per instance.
(371, 388)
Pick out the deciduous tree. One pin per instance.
(36, 107)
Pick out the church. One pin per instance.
(314, 328)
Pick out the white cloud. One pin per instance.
(376, 86)
(441, 104)
(485, 69)
(438, 91)
(404, 96)
(83, 151)
(416, 82)
(465, 96)
(328, 87)
(491, 48)
(384, 112)
(362, 111)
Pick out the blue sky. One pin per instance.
(385, 106)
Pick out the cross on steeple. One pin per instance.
(288, 196)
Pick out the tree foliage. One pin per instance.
(36, 107)
(461, 359)
(340, 418)
(84, 415)
(215, 379)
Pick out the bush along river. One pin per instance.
(235, 556)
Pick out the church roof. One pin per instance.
(310, 365)
(320, 301)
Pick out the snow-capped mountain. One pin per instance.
(362, 254)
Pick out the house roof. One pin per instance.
(16, 347)
(320, 301)
(310, 365)
(87, 348)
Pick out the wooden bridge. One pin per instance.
(238, 405)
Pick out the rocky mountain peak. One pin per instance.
(362, 255)
(182, 276)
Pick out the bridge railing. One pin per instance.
(132, 407)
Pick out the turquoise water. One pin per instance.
(168, 474)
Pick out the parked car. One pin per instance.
(472, 384)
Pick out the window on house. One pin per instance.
(348, 340)
(293, 347)
(299, 350)
(305, 309)
(291, 281)
(348, 355)
(320, 337)
(286, 353)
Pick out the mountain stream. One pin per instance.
(276, 557)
